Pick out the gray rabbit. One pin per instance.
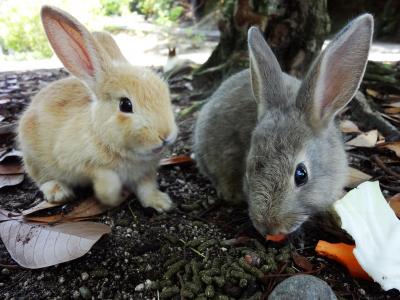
(270, 139)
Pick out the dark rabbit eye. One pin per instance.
(125, 105)
(300, 175)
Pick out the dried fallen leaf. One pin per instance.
(40, 206)
(367, 139)
(348, 126)
(7, 128)
(6, 215)
(394, 203)
(11, 154)
(176, 160)
(394, 146)
(10, 180)
(86, 209)
(302, 262)
(37, 246)
(11, 169)
(356, 177)
(392, 110)
(393, 104)
(373, 93)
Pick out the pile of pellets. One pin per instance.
(219, 270)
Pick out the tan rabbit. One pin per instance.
(106, 125)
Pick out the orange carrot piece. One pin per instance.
(275, 237)
(343, 254)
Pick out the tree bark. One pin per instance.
(294, 29)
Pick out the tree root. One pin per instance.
(369, 118)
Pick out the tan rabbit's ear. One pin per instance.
(336, 74)
(107, 42)
(74, 45)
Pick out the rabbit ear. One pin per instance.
(73, 44)
(336, 74)
(266, 74)
(107, 42)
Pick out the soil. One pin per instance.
(150, 255)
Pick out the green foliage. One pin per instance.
(21, 30)
(162, 11)
(114, 7)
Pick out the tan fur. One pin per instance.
(73, 132)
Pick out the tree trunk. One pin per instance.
(294, 29)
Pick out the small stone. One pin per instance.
(302, 287)
(61, 280)
(211, 200)
(5, 272)
(129, 230)
(139, 287)
(85, 292)
(84, 276)
(75, 295)
(147, 283)
(40, 277)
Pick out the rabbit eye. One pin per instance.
(300, 175)
(125, 105)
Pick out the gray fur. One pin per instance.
(261, 123)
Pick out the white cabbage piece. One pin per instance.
(368, 218)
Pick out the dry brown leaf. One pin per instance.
(392, 110)
(348, 126)
(84, 210)
(11, 154)
(394, 146)
(10, 180)
(394, 203)
(176, 160)
(6, 215)
(392, 104)
(302, 262)
(367, 139)
(37, 246)
(11, 169)
(356, 177)
(7, 128)
(88, 208)
(373, 93)
(40, 206)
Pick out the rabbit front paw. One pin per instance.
(108, 187)
(160, 201)
(56, 192)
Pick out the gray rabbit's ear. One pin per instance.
(266, 74)
(336, 74)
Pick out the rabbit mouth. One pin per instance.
(158, 150)
(297, 224)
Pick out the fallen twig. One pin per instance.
(382, 165)
(369, 118)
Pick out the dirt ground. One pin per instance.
(177, 255)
